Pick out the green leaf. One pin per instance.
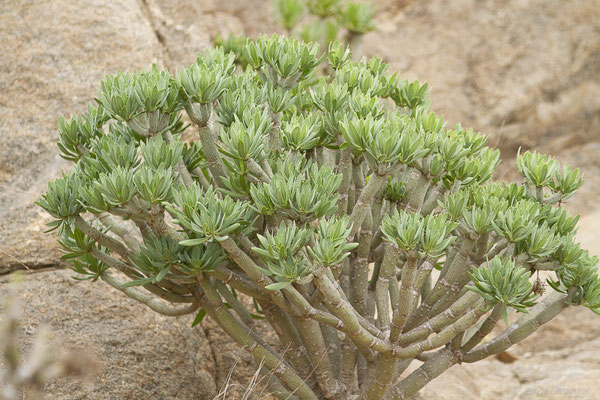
(277, 286)
(193, 242)
(505, 315)
(199, 317)
(163, 272)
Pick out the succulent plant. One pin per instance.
(368, 234)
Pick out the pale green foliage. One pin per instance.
(210, 217)
(501, 281)
(280, 250)
(329, 201)
(332, 247)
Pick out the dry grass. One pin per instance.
(254, 390)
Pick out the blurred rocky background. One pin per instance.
(525, 72)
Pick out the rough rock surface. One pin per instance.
(142, 355)
(527, 72)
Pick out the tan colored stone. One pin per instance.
(142, 355)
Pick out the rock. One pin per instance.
(54, 55)
(142, 355)
(489, 63)
(589, 232)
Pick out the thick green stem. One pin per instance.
(359, 269)
(446, 301)
(144, 229)
(119, 265)
(394, 290)
(276, 389)
(157, 223)
(348, 365)
(266, 167)
(274, 143)
(358, 181)
(181, 168)
(364, 201)
(288, 335)
(257, 170)
(239, 282)
(299, 307)
(451, 283)
(485, 328)
(329, 158)
(103, 239)
(387, 272)
(213, 157)
(408, 298)
(120, 230)
(305, 309)
(154, 305)
(445, 336)
(427, 372)
(440, 321)
(481, 247)
(416, 188)
(344, 277)
(235, 304)
(431, 200)
(344, 311)
(250, 268)
(423, 278)
(344, 168)
(381, 378)
(130, 272)
(378, 211)
(333, 344)
(317, 351)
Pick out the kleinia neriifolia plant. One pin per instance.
(367, 233)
